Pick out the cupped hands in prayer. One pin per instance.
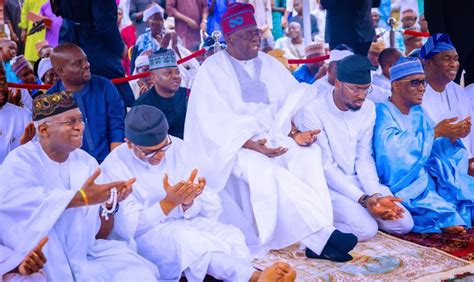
(182, 193)
(447, 128)
(385, 208)
(306, 138)
(259, 146)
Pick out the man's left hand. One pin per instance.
(385, 208)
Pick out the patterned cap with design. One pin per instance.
(163, 58)
(48, 105)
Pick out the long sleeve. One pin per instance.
(115, 114)
(365, 164)
(105, 19)
(337, 180)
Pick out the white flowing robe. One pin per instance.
(13, 121)
(285, 198)
(34, 194)
(454, 101)
(180, 239)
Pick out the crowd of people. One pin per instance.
(198, 168)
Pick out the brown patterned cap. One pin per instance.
(48, 105)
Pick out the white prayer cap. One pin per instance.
(154, 9)
(337, 55)
(44, 66)
(141, 61)
(376, 11)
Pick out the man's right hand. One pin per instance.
(260, 147)
(99, 193)
(453, 131)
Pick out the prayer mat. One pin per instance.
(461, 246)
(383, 258)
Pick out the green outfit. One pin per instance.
(31, 40)
(277, 30)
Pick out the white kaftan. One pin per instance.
(13, 121)
(34, 194)
(275, 201)
(180, 241)
(454, 101)
(346, 145)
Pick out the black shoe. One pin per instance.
(329, 253)
(344, 242)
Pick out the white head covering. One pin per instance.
(154, 9)
(141, 61)
(44, 66)
(337, 55)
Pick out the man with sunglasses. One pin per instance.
(48, 189)
(171, 217)
(239, 123)
(346, 120)
(417, 160)
(446, 102)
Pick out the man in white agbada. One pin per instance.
(13, 121)
(444, 100)
(239, 120)
(174, 226)
(48, 190)
(346, 120)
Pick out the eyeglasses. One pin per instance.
(366, 90)
(69, 122)
(249, 35)
(415, 82)
(151, 154)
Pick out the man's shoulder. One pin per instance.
(83, 156)
(16, 110)
(145, 98)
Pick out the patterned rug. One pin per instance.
(382, 258)
(461, 246)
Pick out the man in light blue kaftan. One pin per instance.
(417, 161)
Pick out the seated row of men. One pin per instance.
(280, 162)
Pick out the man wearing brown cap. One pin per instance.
(309, 72)
(48, 190)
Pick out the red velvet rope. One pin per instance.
(416, 33)
(114, 81)
(307, 61)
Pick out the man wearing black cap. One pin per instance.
(48, 190)
(361, 204)
(174, 225)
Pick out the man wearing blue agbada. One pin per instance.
(417, 161)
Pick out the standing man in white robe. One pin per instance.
(239, 120)
(174, 226)
(48, 189)
(346, 120)
(13, 121)
(446, 101)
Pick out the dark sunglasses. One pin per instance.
(416, 82)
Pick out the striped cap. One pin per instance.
(405, 67)
(19, 63)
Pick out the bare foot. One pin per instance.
(455, 229)
(277, 272)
